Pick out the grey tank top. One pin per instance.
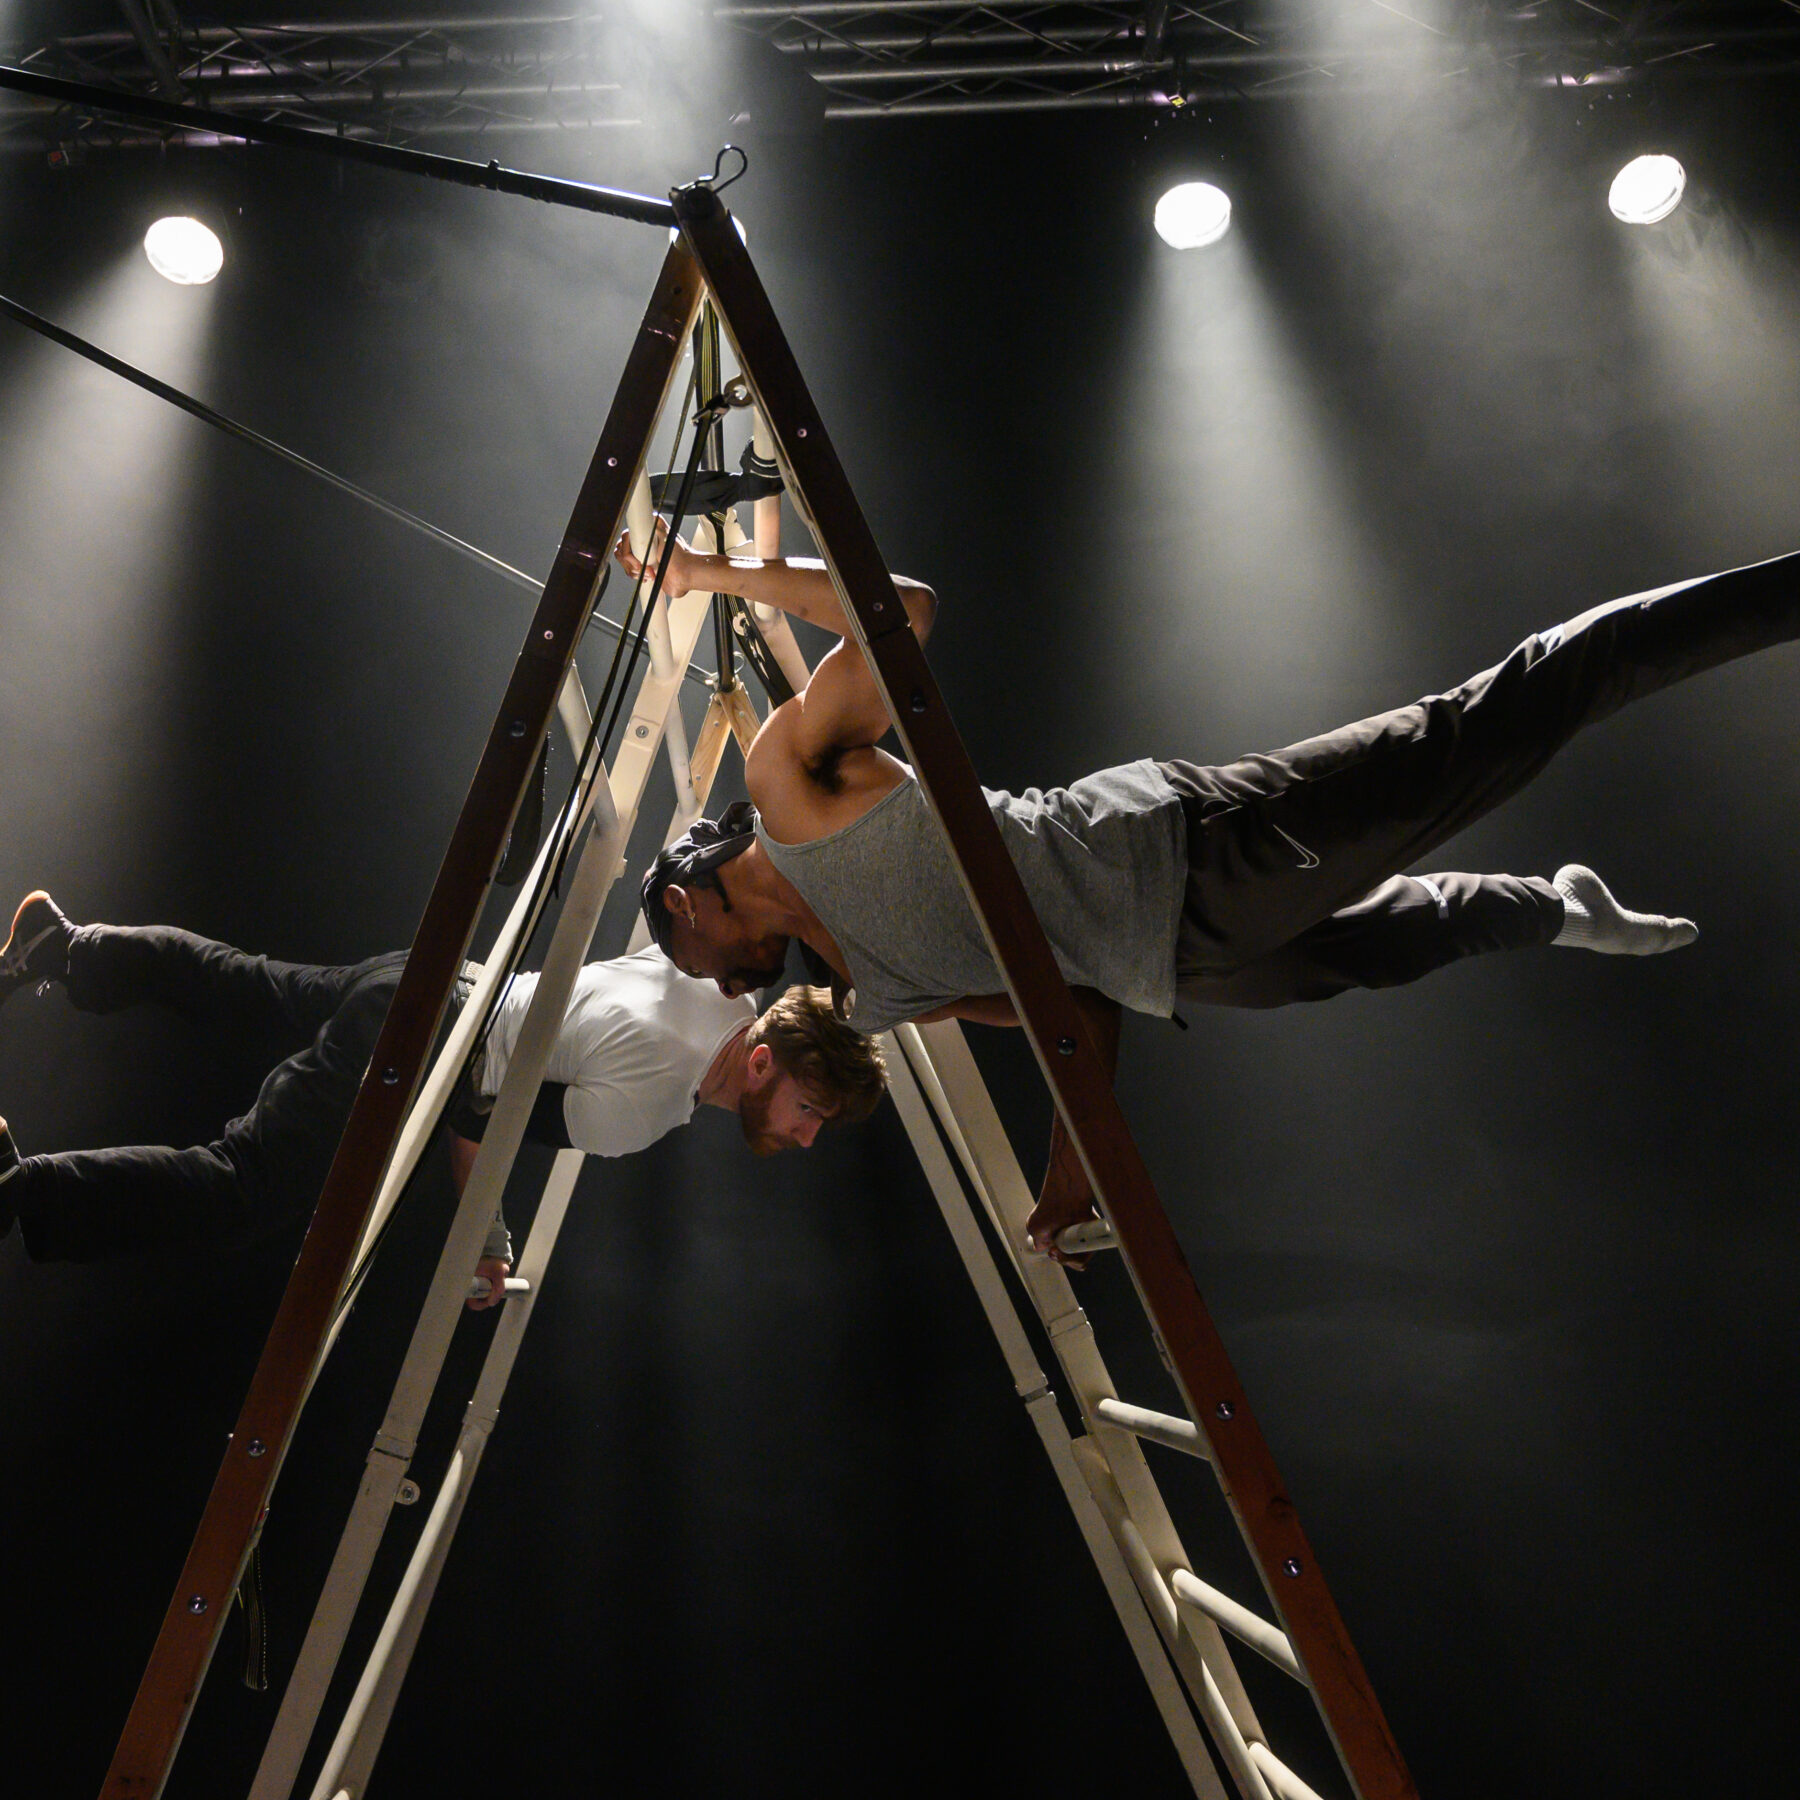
(1104, 861)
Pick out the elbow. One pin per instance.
(921, 605)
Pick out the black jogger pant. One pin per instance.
(267, 1168)
(1293, 857)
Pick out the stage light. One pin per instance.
(1193, 215)
(184, 251)
(1647, 189)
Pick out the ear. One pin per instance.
(675, 900)
(759, 1066)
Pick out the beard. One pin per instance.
(753, 1117)
(764, 974)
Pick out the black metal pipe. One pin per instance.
(578, 194)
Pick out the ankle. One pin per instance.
(1594, 920)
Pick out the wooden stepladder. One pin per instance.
(303, 1324)
(1218, 1410)
(1177, 1622)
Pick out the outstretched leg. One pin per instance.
(263, 1172)
(1414, 924)
(1278, 843)
(1406, 928)
(115, 966)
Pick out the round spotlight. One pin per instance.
(1647, 189)
(1193, 215)
(184, 251)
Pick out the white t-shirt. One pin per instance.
(636, 1041)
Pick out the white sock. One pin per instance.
(1594, 920)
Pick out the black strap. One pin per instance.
(548, 1124)
(758, 654)
(468, 1116)
(256, 1623)
(528, 827)
(714, 490)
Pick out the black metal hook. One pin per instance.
(718, 186)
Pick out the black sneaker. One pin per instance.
(9, 1167)
(38, 949)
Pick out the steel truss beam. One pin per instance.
(911, 58)
(392, 79)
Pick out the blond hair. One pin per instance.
(822, 1053)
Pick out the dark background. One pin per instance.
(1507, 1260)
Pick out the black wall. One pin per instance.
(1507, 1260)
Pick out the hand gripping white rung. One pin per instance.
(1262, 1637)
(1088, 1236)
(480, 1287)
(637, 518)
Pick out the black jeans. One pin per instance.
(1292, 856)
(267, 1168)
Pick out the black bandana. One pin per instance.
(706, 845)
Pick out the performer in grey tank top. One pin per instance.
(1273, 879)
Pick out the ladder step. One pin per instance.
(1160, 1428)
(480, 1287)
(1083, 1239)
(1241, 1622)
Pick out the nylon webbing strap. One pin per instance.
(1078, 1078)
(265, 1426)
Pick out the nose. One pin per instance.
(808, 1130)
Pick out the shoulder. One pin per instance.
(800, 798)
(773, 757)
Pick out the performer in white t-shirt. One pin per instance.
(641, 1046)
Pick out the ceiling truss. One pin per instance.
(888, 58)
(400, 79)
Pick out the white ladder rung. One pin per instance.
(1262, 1637)
(480, 1287)
(1282, 1780)
(1159, 1428)
(1087, 1237)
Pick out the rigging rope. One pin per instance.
(246, 434)
(565, 830)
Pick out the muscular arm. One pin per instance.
(800, 586)
(841, 708)
(496, 1268)
(1067, 1197)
